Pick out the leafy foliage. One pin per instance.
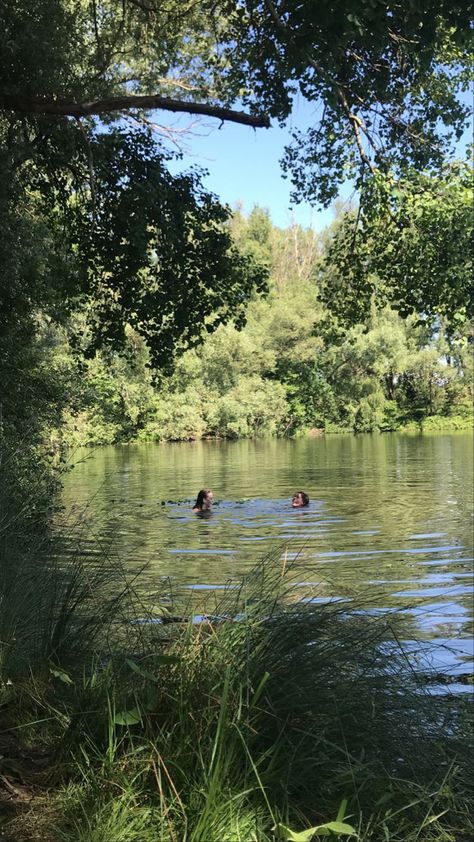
(293, 366)
(295, 712)
(384, 79)
(410, 246)
(93, 221)
(100, 239)
(156, 252)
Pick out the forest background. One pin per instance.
(134, 305)
(294, 367)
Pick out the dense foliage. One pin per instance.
(384, 76)
(294, 366)
(101, 242)
(131, 308)
(300, 711)
(409, 246)
(384, 79)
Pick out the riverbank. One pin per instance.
(305, 693)
(85, 434)
(272, 716)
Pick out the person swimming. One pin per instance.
(299, 499)
(204, 501)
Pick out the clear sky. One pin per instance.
(243, 164)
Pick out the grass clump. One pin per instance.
(257, 724)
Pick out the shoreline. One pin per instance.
(430, 425)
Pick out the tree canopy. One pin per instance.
(293, 366)
(90, 211)
(409, 246)
(383, 77)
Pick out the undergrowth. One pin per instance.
(274, 716)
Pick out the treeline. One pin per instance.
(293, 367)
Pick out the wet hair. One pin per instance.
(202, 494)
(304, 497)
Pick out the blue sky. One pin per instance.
(243, 164)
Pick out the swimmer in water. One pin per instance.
(204, 501)
(299, 500)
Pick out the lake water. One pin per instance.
(389, 522)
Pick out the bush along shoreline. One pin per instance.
(293, 363)
(73, 436)
(271, 717)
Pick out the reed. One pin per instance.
(278, 715)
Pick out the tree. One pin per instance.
(87, 59)
(409, 246)
(92, 220)
(384, 76)
(90, 212)
(90, 215)
(140, 246)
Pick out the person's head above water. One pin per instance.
(204, 500)
(299, 499)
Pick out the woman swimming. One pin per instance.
(204, 501)
(299, 499)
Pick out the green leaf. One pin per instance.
(160, 659)
(166, 659)
(342, 810)
(289, 835)
(63, 676)
(337, 828)
(139, 671)
(128, 717)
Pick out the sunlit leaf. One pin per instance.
(128, 717)
(63, 676)
(330, 828)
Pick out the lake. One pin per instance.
(389, 521)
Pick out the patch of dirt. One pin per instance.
(24, 776)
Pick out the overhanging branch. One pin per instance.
(69, 108)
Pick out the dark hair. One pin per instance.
(304, 497)
(202, 494)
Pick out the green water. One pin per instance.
(389, 523)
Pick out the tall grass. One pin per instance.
(54, 608)
(271, 715)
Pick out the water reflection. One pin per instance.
(389, 519)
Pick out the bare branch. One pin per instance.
(172, 133)
(356, 125)
(177, 83)
(69, 108)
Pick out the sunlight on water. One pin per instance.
(389, 522)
